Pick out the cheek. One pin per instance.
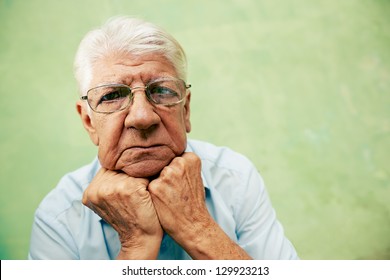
(109, 133)
(177, 131)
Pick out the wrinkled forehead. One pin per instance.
(128, 68)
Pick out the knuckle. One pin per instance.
(178, 162)
(85, 198)
(193, 160)
(155, 186)
(194, 157)
(120, 187)
(167, 172)
(89, 198)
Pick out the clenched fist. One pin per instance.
(179, 198)
(125, 204)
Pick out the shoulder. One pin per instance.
(226, 170)
(220, 156)
(69, 189)
(233, 182)
(221, 160)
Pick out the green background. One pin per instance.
(300, 87)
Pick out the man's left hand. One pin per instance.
(179, 198)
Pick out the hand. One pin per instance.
(179, 198)
(125, 204)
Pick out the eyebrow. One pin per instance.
(127, 81)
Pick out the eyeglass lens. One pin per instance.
(111, 98)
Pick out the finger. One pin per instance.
(192, 159)
(90, 193)
(190, 156)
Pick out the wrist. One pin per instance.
(145, 248)
(212, 243)
(198, 239)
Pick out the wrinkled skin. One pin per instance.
(147, 184)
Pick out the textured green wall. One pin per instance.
(300, 87)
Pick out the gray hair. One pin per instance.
(130, 35)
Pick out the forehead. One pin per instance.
(127, 68)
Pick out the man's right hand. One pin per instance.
(125, 204)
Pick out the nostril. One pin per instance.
(141, 114)
(145, 133)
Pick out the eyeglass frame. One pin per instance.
(131, 95)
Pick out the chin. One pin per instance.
(144, 169)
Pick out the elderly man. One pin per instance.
(150, 193)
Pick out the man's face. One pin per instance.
(143, 138)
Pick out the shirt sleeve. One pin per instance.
(50, 239)
(259, 232)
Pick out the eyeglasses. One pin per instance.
(111, 98)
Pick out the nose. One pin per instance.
(141, 113)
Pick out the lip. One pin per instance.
(151, 147)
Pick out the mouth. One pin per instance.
(144, 161)
(151, 149)
(145, 147)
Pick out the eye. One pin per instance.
(161, 90)
(163, 94)
(114, 94)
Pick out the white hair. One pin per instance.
(130, 35)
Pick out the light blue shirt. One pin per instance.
(235, 196)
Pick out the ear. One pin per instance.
(186, 112)
(87, 121)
